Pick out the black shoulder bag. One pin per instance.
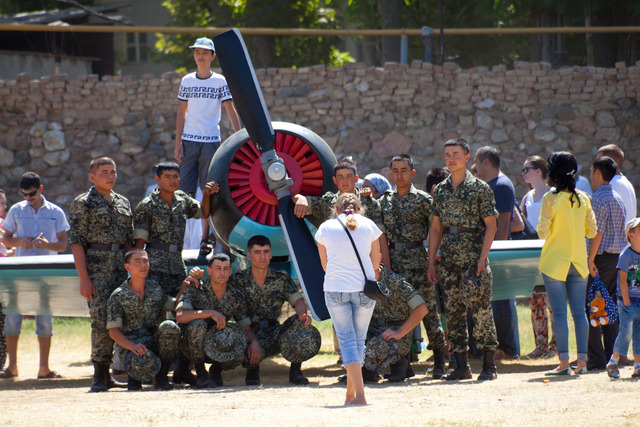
(372, 288)
(529, 233)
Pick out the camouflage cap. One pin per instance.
(298, 343)
(226, 344)
(379, 353)
(475, 288)
(142, 368)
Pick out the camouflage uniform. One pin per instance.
(406, 220)
(391, 314)
(157, 222)
(322, 207)
(465, 206)
(265, 305)
(94, 220)
(232, 306)
(138, 318)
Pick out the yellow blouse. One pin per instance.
(564, 229)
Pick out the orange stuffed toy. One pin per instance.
(598, 313)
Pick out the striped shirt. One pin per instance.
(610, 217)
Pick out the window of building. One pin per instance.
(137, 47)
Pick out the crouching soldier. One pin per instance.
(265, 291)
(203, 312)
(133, 310)
(389, 338)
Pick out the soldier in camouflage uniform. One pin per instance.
(464, 207)
(405, 212)
(133, 311)
(395, 319)
(345, 177)
(101, 232)
(210, 304)
(160, 221)
(265, 290)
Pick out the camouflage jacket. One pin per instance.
(233, 305)
(465, 206)
(402, 300)
(155, 221)
(266, 303)
(125, 310)
(406, 219)
(322, 207)
(94, 220)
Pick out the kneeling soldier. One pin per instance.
(204, 308)
(133, 311)
(392, 320)
(265, 291)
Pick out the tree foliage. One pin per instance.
(266, 51)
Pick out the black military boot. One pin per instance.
(295, 375)
(369, 376)
(162, 379)
(202, 377)
(112, 382)
(438, 364)
(489, 370)
(182, 374)
(462, 371)
(215, 373)
(253, 376)
(133, 384)
(100, 372)
(410, 373)
(398, 371)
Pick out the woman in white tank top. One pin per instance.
(534, 173)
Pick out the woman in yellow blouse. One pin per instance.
(566, 219)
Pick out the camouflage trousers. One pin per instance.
(427, 290)
(456, 306)
(169, 282)
(163, 342)
(269, 340)
(101, 342)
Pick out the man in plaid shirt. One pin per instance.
(603, 254)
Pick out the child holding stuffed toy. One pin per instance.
(628, 302)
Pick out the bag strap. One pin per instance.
(354, 247)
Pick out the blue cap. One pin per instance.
(203, 43)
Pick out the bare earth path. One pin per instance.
(519, 397)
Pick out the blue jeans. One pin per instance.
(13, 325)
(629, 324)
(505, 317)
(350, 313)
(574, 289)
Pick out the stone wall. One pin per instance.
(55, 126)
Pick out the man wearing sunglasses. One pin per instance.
(34, 226)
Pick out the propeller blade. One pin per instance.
(243, 83)
(305, 258)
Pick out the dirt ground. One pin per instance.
(519, 396)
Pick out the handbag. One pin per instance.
(375, 290)
(609, 304)
(529, 232)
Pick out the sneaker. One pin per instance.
(613, 371)
(636, 373)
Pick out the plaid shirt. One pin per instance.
(610, 217)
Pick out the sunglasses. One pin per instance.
(33, 193)
(525, 170)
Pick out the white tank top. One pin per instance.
(533, 208)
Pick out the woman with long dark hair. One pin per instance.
(566, 219)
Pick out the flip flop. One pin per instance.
(51, 375)
(6, 373)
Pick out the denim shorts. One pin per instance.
(350, 313)
(13, 325)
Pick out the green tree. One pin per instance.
(266, 51)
